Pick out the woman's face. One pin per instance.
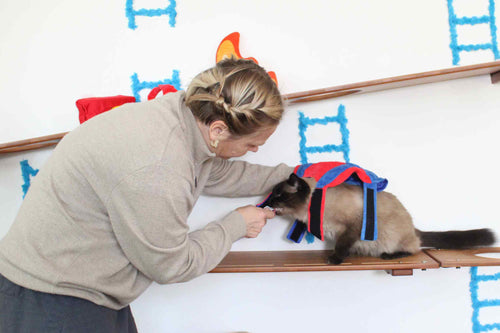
(238, 147)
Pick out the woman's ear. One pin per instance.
(218, 130)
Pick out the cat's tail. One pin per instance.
(456, 239)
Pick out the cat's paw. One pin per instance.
(334, 260)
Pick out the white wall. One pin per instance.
(435, 143)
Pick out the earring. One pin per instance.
(214, 143)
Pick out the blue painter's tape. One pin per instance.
(27, 172)
(131, 13)
(454, 21)
(477, 304)
(137, 85)
(306, 122)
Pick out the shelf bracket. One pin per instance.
(400, 272)
(495, 77)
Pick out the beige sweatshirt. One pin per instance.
(106, 215)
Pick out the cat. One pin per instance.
(342, 222)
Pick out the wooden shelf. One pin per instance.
(316, 260)
(31, 144)
(464, 258)
(459, 72)
(453, 73)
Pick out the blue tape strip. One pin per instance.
(137, 85)
(131, 13)
(27, 172)
(472, 20)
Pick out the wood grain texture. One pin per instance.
(440, 75)
(314, 260)
(465, 258)
(31, 144)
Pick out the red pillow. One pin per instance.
(90, 107)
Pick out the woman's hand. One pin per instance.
(255, 218)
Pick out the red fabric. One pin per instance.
(165, 88)
(318, 170)
(90, 107)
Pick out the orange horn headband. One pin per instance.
(230, 46)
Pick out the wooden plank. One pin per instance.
(30, 144)
(314, 260)
(464, 258)
(395, 82)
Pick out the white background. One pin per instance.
(436, 143)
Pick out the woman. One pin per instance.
(107, 214)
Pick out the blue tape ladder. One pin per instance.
(137, 85)
(454, 21)
(27, 172)
(131, 13)
(475, 280)
(305, 123)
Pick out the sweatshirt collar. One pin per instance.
(194, 138)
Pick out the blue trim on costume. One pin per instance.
(305, 122)
(27, 172)
(131, 13)
(477, 304)
(473, 20)
(137, 85)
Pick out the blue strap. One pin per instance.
(297, 231)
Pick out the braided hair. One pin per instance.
(238, 92)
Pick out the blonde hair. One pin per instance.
(238, 92)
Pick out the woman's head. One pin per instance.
(237, 92)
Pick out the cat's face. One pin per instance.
(290, 196)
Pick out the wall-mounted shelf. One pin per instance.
(316, 260)
(465, 258)
(491, 68)
(453, 73)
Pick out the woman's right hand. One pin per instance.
(255, 218)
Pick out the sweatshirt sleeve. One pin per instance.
(148, 213)
(239, 178)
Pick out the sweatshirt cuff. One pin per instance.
(235, 225)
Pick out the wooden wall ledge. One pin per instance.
(316, 260)
(491, 68)
(453, 73)
(465, 258)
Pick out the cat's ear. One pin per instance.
(293, 183)
(293, 180)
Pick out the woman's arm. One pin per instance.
(239, 178)
(148, 211)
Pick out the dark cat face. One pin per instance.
(289, 196)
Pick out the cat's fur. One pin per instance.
(342, 222)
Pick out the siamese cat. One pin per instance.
(342, 222)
